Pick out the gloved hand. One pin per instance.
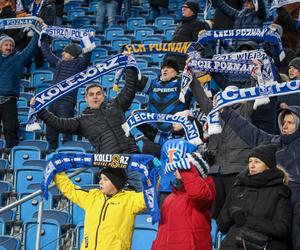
(238, 215)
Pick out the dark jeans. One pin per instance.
(9, 118)
(223, 185)
(296, 226)
(59, 108)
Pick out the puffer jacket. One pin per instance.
(109, 221)
(65, 69)
(102, 127)
(287, 155)
(11, 68)
(265, 200)
(185, 216)
(244, 18)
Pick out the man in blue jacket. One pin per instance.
(11, 70)
(288, 152)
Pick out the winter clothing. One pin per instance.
(266, 153)
(295, 62)
(73, 49)
(117, 176)
(260, 203)
(185, 215)
(109, 221)
(245, 18)
(171, 63)
(194, 6)
(11, 71)
(287, 154)
(5, 38)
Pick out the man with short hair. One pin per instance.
(101, 123)
(12, 64)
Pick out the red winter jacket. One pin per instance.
(185, 215)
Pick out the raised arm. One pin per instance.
(30, 50)
(224, 7)
(64, 125)
(48, 54)
(127, 94)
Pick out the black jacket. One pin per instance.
(102, 127)
(266, 203)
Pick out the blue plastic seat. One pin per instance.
(19, 154)
(93, 6)
(142, 63)
(73, 5)
(107, 80)
(74, 13)
(113, 32)
(5, 187)
(41, 144)
(58, 44)
(62, 217)
(150, 40)
(8, 215)
(26, 95)
(82, 144)
(38, 76)
(163, 22)
(81, 22)
(22, 102)
(169, 32)
(43, 85)
(80, 106)
(22, 117)
(144, 232)
(142, 32)
(118, 43)
(50, 234)
(97, 53)
(64, 149)
(27, 175)
(9, 243)
(135, 22)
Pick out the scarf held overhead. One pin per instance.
(49, 95)
(190, 128)
(137, 162)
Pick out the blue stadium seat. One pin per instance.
(118, 43)
(25, 135)
(107, 80)
(100, 59)
(169, 32)
(135, 22)
(35, 163)
(97, 52)
(9, 243)
(93, 6)
(150, 40)
(22, 117)
(58, 44)
(22, 102)
(81, 22)
(41, 144)
(19, 154)
(50, 234)
(3, 169)
(142, 32)
(79, 234)
(8, 215)
(73, 5)
(27, 175)
(144, 232)
(62, 217)
(74, 13)
(23, 109)
(38, 76)
(80, 106)
(84, 178)
(163, 22)
(112, 33)
(64, 149)
(43, 85)
(142, 63)
(5, 187)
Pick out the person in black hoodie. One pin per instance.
(259, 203)
(188, 30)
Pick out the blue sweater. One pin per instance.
(12, 66)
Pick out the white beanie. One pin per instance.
(5, 38)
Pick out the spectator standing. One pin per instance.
(258, 205)
(101, 123)
(69, 65)
(159, 7)
(12, 64)
(109, 211)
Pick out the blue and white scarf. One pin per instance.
(190, 128)
(269, 34)
(279, 3)
(35, 8)
(230, 97)
(85, 36)
(18, 23)
(137, 162)
(49, 95)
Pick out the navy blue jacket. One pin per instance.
(66, 69)
(288, 153)
(12, 66)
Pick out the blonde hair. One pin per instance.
(286, 176)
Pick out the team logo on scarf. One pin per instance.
(112, 161)
(190, 128)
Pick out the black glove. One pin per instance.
(238, 215)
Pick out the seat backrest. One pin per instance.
(38, 76)
(135, 22)
(58, 44)
(118, 43)
(62, 217)
(164, 22)
(82, 144)
(50, 234)
(112, 33)
(27, 175)
(142, 32)
(19, 154)
(9, 243)
(41, 144)
(63, 149)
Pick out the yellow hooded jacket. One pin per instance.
(109, 222)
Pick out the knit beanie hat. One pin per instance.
(266, 153)
(117, 176)
(194, 6)
(171, 62)
(295, 62)
(73, 49)
(5, 38)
